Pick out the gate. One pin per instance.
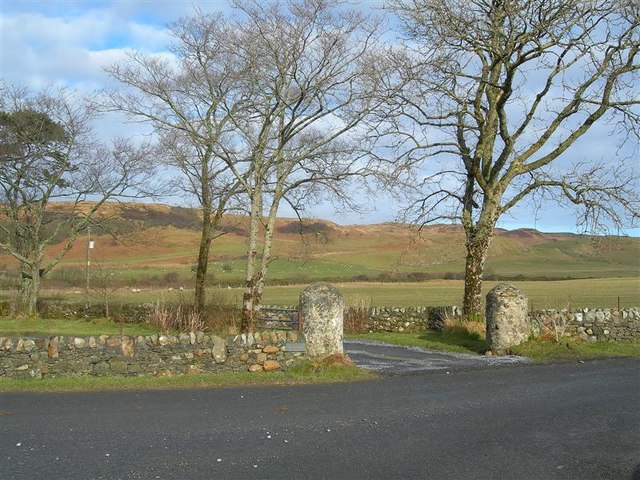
(280, 319)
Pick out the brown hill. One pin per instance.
(140, 239)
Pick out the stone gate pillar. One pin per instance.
(506, 317)
(322, 309)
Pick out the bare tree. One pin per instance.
(104, 283)
(48, 154)
(497, 91)
(264, 104)
(310, 90)
(189, 98)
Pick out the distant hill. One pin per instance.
(152, 241)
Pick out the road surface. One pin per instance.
(520, 421)
(392, 360)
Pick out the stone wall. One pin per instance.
(409, 319)
(588, 324)
(68, 309)
(159, 355)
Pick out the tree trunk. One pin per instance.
(255, 279)
(250, 302)
(251, 299)
(30, 290)
(203, 261)
(477, 249)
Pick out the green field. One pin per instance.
(580, 293)
(155, 248)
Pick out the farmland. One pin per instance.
(154, 247)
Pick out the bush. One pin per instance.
(227, 267)
(356, 314)
(170, 278)
(166, 317)
(74, 277)
(221, 314)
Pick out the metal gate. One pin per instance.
(280, 319)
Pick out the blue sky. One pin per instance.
(54, 42)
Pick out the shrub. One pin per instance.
(356, 314)
(227, 267)
(170, 278)
(474, 329)
(166, 317)
(74, 277)
(221, 313)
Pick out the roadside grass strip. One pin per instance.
(308, 372)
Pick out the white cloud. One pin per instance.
(39, 50)
(69, 42)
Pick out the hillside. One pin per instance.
(158, 243)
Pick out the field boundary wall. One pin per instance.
(157, 355)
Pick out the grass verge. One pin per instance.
(546, 350)
(460, 341)
(449, 341)
(66, 327)
(309, 372)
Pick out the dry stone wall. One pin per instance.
(159, 355)
(409, 319)
(588, 324)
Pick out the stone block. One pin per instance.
(193, 370)
(271, 365)
(506, 317)
(52, 350)
(322, 307)
(127, 346)
(219, 350)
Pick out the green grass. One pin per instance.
(80, 328)
(460, 341)
(545, 350)
(582, 293)
(457, 341)
(306, 373)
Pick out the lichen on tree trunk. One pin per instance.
(203, 261)
(474, 269)
(30, 291)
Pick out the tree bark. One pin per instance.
(250, 300)
(477, 249)
(203, 261)
(30, 290)
(256, 276)
(479, 234)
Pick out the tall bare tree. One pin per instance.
(265, 103)
(498, 91)
(310, 90)
(189, 98)
(48, 154)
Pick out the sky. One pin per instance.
(68, 42)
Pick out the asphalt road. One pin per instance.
(564, 421)
(398, 360)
